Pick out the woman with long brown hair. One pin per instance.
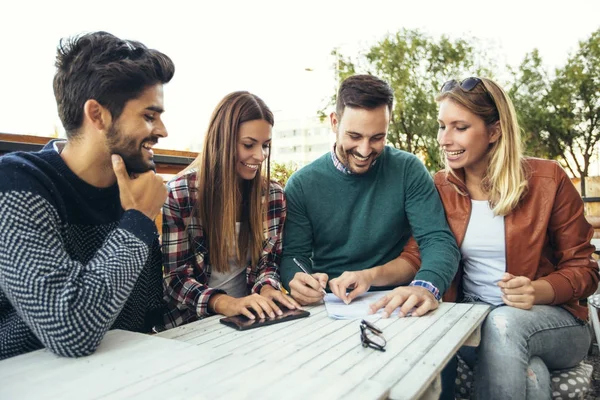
(223, 220)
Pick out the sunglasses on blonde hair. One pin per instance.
(466, 84)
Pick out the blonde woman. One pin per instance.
(223, 219)
(524, 242)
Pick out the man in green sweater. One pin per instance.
(352, 211)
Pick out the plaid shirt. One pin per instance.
(185, 252)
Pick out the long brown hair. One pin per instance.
(219, 193)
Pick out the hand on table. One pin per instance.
(308, 289)
(278, 296)
(517, 291)
(407, 298)
(357, 281)
(229, 306)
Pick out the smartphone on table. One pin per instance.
(242, 323)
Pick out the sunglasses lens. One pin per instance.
(469, 83)
(448, 85)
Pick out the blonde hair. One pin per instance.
(505, 179)
(219, 194)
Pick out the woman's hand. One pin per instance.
(271, 293)
(517, 291)
(229, 306)
(357, 282)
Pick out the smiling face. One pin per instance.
(253, 145)
(137, 130)
(360, 136)
(464, 137)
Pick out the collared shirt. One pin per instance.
(342, 168)
(185, 251)
(338, 164)
(429, 286)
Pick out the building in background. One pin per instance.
(300, 141)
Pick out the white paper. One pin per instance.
(357, 309)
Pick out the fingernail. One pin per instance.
(384, 315)
(347, 302)
(279, 312)
(114, 158)
(251, 316)
(400, 314)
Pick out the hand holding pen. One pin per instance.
(307, 288)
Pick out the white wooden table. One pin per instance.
(416, 352)
(135, 366)
(314, 357)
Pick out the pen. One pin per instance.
(308, 273)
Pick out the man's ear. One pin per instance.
(335, 122)
(96, 115)
(495, 132)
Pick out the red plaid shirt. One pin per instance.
(185, 250)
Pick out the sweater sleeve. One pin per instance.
(69, 305)
(439, 254)
(576, 274)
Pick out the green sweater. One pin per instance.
(347, 222)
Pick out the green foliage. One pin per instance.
(281, 172)
(560, 115)
(415, 65)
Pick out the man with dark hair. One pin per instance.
(352, 211)
(79, 250)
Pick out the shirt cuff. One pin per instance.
(429, 286)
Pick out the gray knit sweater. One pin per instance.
(72, 263)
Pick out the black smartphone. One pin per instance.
(242, 323)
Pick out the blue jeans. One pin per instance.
(517, 351)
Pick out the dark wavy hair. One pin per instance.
(363, 91)
(102, 67)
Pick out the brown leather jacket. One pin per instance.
(547, 236)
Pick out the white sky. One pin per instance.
(259, 45)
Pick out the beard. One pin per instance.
(130, 150)
(345, 158)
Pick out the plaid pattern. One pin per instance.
(185, 252)
(429, 286)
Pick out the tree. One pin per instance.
(281, 172)
(415, 65)
(561, 116)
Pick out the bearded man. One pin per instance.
(352, 212)
(79, 251)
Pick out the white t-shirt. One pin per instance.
(232, 282)
(484, 254)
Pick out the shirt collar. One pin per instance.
(340, 166)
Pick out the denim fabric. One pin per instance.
(518, 349)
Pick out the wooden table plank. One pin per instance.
(122, 358)
(438, 355)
